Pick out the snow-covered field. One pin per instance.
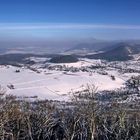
(56, 85)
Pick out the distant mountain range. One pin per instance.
(84, 48)
(118, 52)
(97, 46)
(115, 52)
(93, 49)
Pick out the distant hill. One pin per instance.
(10, 59)
(119, 52)
(84, 48)
(64, 59)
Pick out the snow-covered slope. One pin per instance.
(52, 84)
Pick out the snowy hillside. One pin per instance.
(57, 81)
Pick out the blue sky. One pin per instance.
(103, 19)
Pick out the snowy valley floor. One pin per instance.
(55, 84)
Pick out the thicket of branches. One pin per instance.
(83, 119)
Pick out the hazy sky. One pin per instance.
(58, 19)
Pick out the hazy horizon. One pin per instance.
(69, 20)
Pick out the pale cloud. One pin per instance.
(66, 26)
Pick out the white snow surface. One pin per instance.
(54, 85)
